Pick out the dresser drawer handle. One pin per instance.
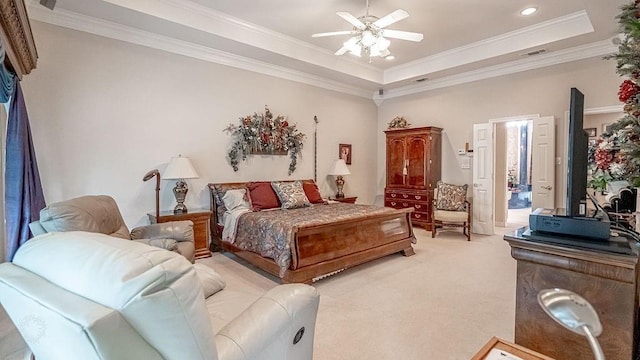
(405, 204)
(418, 206)
(393, 195)
(418, 197)
(418, 216)
(405, 196)
(393, 203)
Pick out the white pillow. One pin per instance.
(235, 198)
(210, 280)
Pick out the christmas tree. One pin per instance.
(616, 156)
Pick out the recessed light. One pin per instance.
(528, 11)
(390, 57)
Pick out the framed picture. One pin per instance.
(344, 153)
(592, 132)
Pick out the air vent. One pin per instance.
(535, 52)
(421, 80)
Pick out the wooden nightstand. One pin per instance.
(201, 231)
(350, 200)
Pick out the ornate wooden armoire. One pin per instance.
(413, 169)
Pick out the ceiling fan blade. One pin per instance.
(386, 52)
(343, 50)
(333, 33)
(402, 35)
(351, 19)
(391, 18)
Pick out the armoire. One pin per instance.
(413, 170)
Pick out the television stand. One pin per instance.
(608, 280)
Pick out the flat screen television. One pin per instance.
(578, 144)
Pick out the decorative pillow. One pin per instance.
(262, 196)
(312, 192)
(291, 194)
(236, 198)
(210, 280)
(451, 197)
(218, 194)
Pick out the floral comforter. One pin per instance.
(269, 233)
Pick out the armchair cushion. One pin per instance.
(96, 213)
(167, 244)
(210, 280)
(177, 230)
(451, 197)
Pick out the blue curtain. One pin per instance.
(23, 191)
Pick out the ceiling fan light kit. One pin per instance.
(369, 35)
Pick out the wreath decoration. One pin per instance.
(264, 134)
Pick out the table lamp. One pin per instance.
(180, 168)
(339, 170)
(574, 313)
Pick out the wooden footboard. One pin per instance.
(321, 250)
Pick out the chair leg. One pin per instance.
(467, 227)
(433, 229)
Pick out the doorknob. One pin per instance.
(547, 187)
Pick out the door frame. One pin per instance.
(493, 123)
(561, 199)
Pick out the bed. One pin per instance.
(316, 248)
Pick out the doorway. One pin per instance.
(518, 168)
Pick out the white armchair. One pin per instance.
(80, 295)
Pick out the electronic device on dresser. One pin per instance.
(545, 223)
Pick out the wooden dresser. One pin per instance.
(609, 281)
(413, 169)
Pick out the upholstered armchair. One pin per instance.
(90, 296)
(451, 208)
(100, 214)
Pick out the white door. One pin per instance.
(482, 221)
(543, 169)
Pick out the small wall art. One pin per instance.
(344, 153)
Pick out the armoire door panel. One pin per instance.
(396, 162)
(416, 152)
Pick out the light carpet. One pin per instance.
(445, 302)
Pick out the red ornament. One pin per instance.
(628, 89)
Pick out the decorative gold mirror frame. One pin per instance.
(17, 38)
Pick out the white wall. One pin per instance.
(104, 112)
(543, 91)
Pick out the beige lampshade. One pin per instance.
(339, 168)
(179, 168)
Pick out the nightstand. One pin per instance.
(201, 230)
(350, 200)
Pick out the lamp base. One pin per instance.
(180, 192)
(339, 185)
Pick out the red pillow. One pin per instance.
(262, 196)
(312, 192)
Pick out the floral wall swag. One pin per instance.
(264, 134)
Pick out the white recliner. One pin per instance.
(80, 295)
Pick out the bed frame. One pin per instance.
(322, 250)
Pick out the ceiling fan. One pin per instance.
(369, 33)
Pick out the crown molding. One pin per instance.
(116, 31)
(557, 29)
(202, 18)
(120, 32)
(596, 49)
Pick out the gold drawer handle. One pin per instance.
(418, 197)
(405, 204)
(393, 203)
(418, 206)
(405, 196)
(418, 216)
(393, 195)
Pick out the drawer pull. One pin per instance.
(393, 195)
(405, 196)
(418, 197)
(405, 204)
(418, 206)
(393, 203)
(418, 216)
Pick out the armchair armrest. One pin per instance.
(278, 326)
(177, 230)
